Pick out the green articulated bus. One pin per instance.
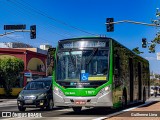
(98, 72)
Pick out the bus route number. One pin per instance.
(90, 92)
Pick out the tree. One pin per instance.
(9, 71)
(136, 50)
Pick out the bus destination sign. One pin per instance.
(82, 44)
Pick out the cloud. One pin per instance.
(15, 36)
(151, 58)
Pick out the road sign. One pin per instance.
(84, 76)
(14, 27)
(28, 74)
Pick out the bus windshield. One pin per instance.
(82, 65)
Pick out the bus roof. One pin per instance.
(78, 38)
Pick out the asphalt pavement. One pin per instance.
(61, 113)
(8, 102)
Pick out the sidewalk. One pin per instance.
(146, 112)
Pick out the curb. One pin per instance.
(123, 111)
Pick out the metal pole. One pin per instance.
(134, 22)
(6, 33)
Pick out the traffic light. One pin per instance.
(144, 43)
(110, 25)
(33, 32)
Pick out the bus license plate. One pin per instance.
(80, 102)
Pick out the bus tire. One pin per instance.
(124, 99)
(144, 95)
(77, 109)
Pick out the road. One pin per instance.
(62, 113)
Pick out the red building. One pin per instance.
(34, 62)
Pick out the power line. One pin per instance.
(31, 13)
(5, 35)
(56, 20)
(38, 25)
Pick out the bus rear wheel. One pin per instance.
(144, 95)
(124, 99)
(77, 109)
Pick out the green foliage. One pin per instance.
(156, 80)
(157, 40)
(9, 71)
(151, 81)
(152, 48)
(136, 50)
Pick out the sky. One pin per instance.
(60, 19)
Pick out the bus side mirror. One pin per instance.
(116, 71)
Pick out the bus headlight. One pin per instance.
(105, 90)
(57, 91)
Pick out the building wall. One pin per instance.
(33, 63)
(15, 91)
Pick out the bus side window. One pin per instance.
(117, 79)
(117, 65)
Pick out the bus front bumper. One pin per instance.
(93, 101)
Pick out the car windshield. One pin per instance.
(36, 85)
(74, 65)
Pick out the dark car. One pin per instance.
(37, 93)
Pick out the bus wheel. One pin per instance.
(124, 100)
(144, 95)
(77, 109)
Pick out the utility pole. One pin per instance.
(7, 33)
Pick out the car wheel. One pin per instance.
(50, 105)
(42, 108)
(21, 108)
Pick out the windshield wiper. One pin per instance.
(72, 59)
(91, 55)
